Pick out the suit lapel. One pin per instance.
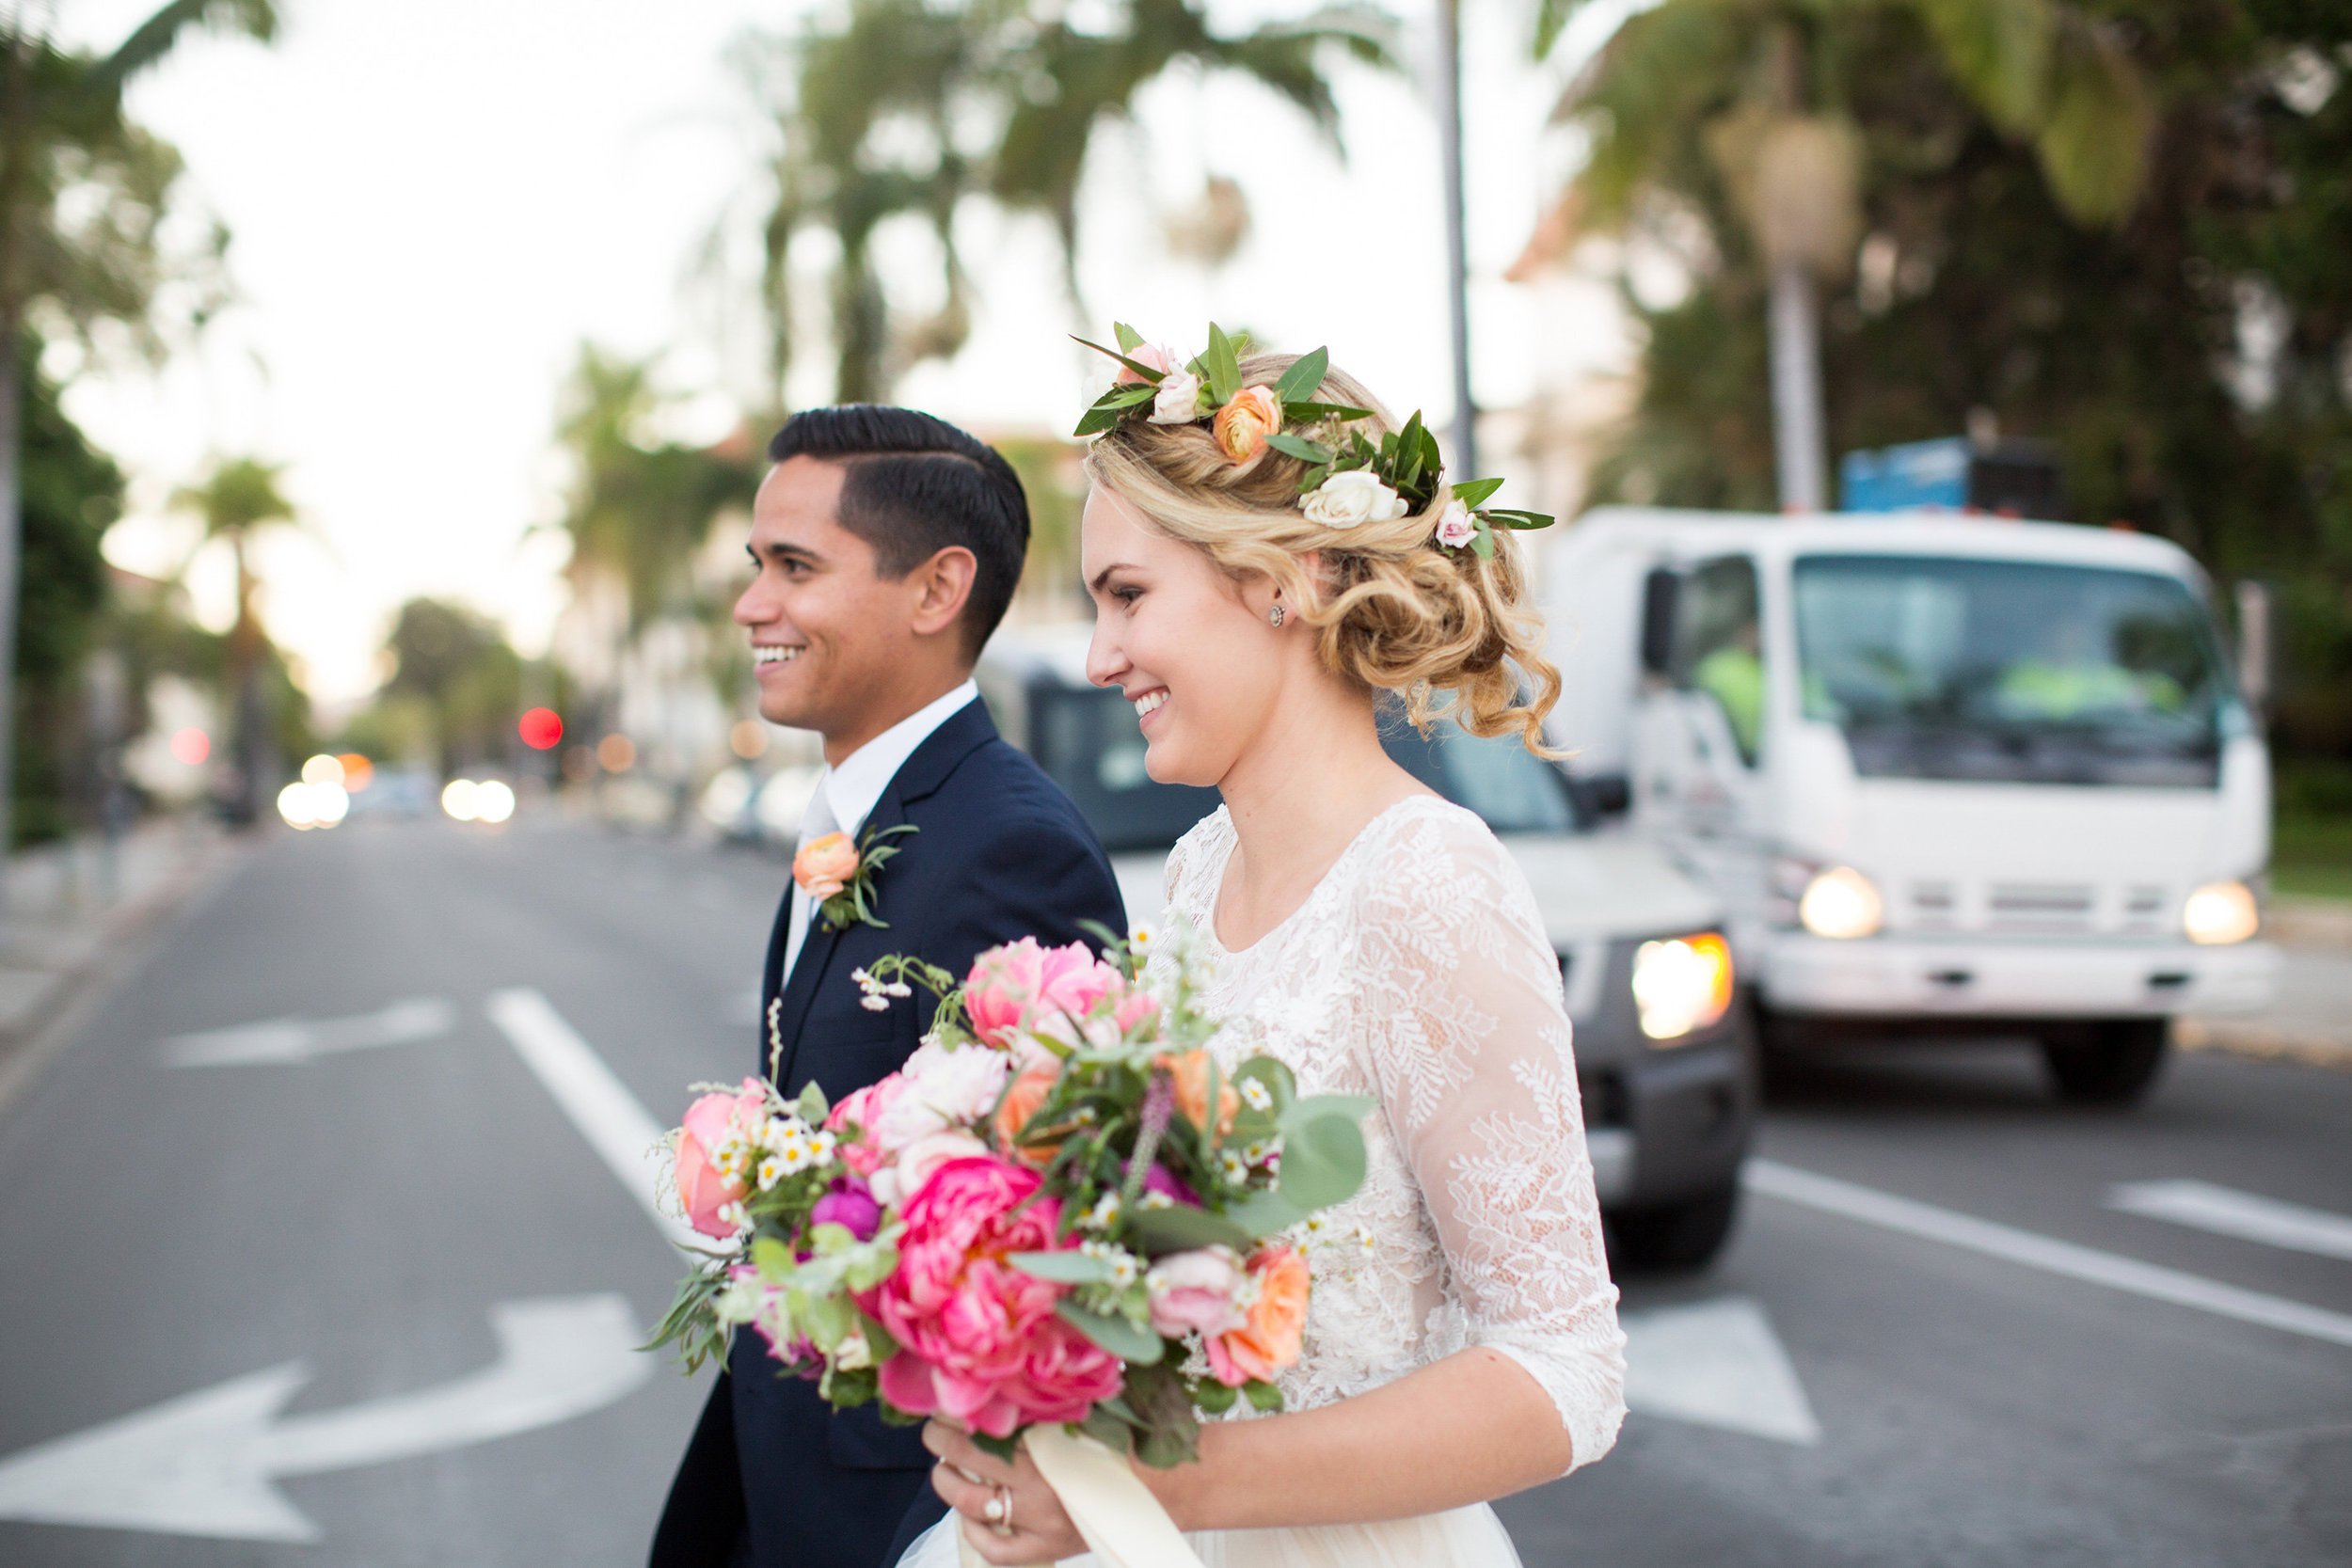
(963, 731)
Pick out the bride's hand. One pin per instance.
(971, 1480)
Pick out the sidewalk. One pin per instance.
(71, 906)
(2310, 1021)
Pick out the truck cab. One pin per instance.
(1952, 775)
(1664, 1041)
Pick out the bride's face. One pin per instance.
(1181, 641)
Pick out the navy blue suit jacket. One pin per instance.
(772, 1479)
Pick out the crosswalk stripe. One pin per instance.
(2029, 1249)
(2225, 1211)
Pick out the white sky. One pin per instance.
(434, 204)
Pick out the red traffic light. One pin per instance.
(540, 728)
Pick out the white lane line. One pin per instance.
(294, 1040)
(607, 1116)
(2227, 1212)
(1926, 1222)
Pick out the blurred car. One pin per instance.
(783, 800)
(1664, 1048)
(398, 792)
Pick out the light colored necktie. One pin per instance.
(816, 822)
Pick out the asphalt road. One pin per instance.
(252, 1278)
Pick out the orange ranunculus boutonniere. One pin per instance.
(839, 875)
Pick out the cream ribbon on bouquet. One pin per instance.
(1123, 1524)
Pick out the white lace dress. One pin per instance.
(1418, 972)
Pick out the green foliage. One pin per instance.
(451, 663)
(902, 111)
(1993, 283)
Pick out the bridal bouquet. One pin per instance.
(1060, 1212)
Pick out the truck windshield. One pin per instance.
(2010, 670)
(1087, 740)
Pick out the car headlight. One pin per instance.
(1842, 903)
(2220, 912)
(1681, 985)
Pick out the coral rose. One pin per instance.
(824, 867)
(1243, 424)
(1270, 1341)
(1020, 1103)
(979, 1339)
(1190, 1071)
(710, 1121)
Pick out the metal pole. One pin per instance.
(1797, 433)
(1457, 243)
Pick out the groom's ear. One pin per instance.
(939, 588)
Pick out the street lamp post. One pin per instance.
(1456, 243)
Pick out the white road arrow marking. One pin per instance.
(2030, 1249)
(204, 1463)
(294, 1040)
(1719, 1364)
(2225, 1211)
(607, 1116)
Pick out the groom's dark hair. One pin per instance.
(916, 485)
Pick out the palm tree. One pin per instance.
(240, 498)
(1737, 99)
(83, 194)
(910, 108)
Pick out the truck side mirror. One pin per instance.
(1658, 591)
(2255, 644)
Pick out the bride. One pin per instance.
(1461, 1342)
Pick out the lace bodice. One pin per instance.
(1418, 972)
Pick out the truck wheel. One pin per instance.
(1678, 1236)
(2116, 1066)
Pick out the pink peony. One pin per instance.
(710, 1121)
(920, 1158)
(1194, 1291)
(864, 1110)
(979, 1339)
(1012, 986)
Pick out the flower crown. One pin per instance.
(1349, 478)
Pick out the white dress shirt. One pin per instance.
(845, 794)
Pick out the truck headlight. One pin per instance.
(1681, 985)
(1842, 903)
(2220, 912)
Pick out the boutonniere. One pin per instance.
(839, 875)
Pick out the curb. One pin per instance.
(2296, 922)
(55, 994)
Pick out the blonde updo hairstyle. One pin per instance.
(1445, 629)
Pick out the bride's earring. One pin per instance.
(1274, 617)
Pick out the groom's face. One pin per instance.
(827, 632)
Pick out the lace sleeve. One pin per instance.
(1469, 1051)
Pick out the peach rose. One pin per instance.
(1270, 1341)
(1020, 1103)
(824, 867)
(1159, 356)
(1243, 424)
(1190, 1071)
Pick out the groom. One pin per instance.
(887, 545)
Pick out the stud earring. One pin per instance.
(1274, 617)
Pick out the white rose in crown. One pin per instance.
(1178, 400)
(1353, 496)
(1456, 529)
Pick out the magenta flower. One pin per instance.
(851, 1206)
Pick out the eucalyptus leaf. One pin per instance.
(1214, 1397)
(1263, 1213)
(1224, 366)
(1134, 1345)
(1299, 446)
(1298, 383)
(1180, 1228)
(1063, 1268)
(1471, 493)
(1263, 1396)
(772, 1258)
